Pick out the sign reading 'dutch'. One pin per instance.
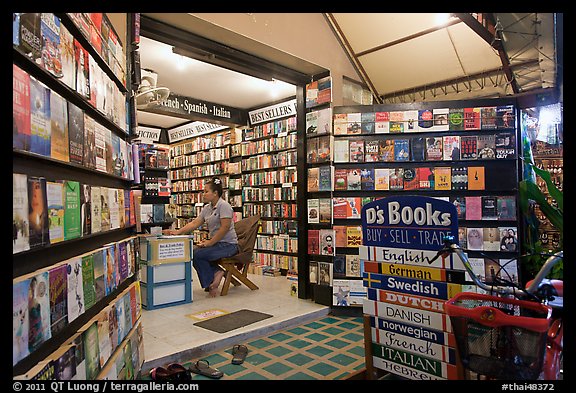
(410, 222)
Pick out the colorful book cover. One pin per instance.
(39, 311)
(104, 344)
(505, 116)
(411, 181)
(75, 301)
(411, 121)
(86, 208)
(451, 148)
(340, 179)
(396, 127)
(353, 236)
(311, 123)
(418, 149)
(440, 116)
(425, 120)
(325, 209)
(21, 104)
(82, 70)
(462, 238)
(89, 156)
(387, 150)
(88, 283)
(381, 178)
(127, 313)
(473, 208)
(31, 36)
(456, 119)
(488, 118)
(340, 124)
(340, 239)
(55, 202)
(327, 238)
(475, 238)
(76, 133)
(313, 182)
(99, 268)
(381, 126)
(459, 178)
(367, 179)
(110, 269)
(489, 207)
(72, 219)
(508, 239)
(353, 207)
(506, 207)
(491, 239)
(122, 261)
(505, 145)
(100, 145)
(50, 33)
(367, 127)
(468, 147)
(442, 178)
(356, 150)
(95, 209)
(340, 291)
(314, 241)
(353, 266)
(401, 150)
(104, 209)
(20, 219)
(326, 176)
(372, 151)
(114, 208)
(109, 151)
(460, 203)
(425, 178)
(39, 234)
(91, 351)
(396, 179)
(471, 119)
(434, 148)
(341, 150)
(59, 127)
(20, 320)
(354, 179)
(354, 123)
(40, 127)
(476, 179)
(113, 322)
(67, 56)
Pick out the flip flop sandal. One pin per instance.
(160, 374)
(202, 367)
(179, 372)
(239, 351)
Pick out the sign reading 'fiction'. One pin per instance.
(411, 222)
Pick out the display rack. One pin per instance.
(72, 145)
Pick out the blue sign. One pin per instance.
(410, 222)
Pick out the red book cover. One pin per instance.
(339, 208)
(472, 118)
(341, 239)
(340, 179)
(473, 208)
(20, 109)
(314, 241)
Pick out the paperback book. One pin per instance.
(451, 148)
(20, 213)
(381, 179)
(434, 148)
(372, 151)
(418, 149)
(486, 146)
(55, 202)
(356, 150)
(387, 150)
(456, 119)
(76, 133)
(401, 150)
(40, 127)
(469, 147)
(72, 218)
(38, 231)
(21, 104)
(59, 127)
(411, 181)
(367, 179)
(504, 145)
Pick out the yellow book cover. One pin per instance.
(353, 236)
(443, 178)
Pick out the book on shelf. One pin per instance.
(82, 65)
(451, 148)
(76, 133)
(387, 150)
(38, 231)
(425, 178)
(460, 203)
(40, 127)
(89, 159)
(462, 237)
(314, 241)
(67, 56)
(326, 178)
(354, 179)
(99, 285)
(354, 126)
(114, 208)
(158, 212)
(396, 179)
(411, 181)
(372, 150)
(59, 127)
(100, 146)
(382, 123)
(95, 209)
(367, 179)
(312, 150)
(473, 208)
(476, 178)
(488, 118)
(30, 36)
(505, 117)
(340, 238)
(425, 120)
(324, 121)
(475, 238)
(340, 292)
(459, 178)
(341, 150)
(20, 213)
(491, 239)
(440, 116)
(86, 208)
(327, 238)
(324, 152)
(339, 265)
(353, 266)
(442, 178)
(313, 206)
(401, 150)
(418, 149)
(381, 179)
(312, 123)
(55, 203)
(508, 239)
(489, 207)
(486, 146)
(104, 344)
(469, 147)
(396, 127)
(504, 145)
(75, 301)
(456, 119)
(353, 236)
(109, 151)
(411, 121)
(340, 179)
(367, 127)
(91, 350)
(21, 105)
(325, 209)
(357, 152)
(472, 118)
(434, 148)
(104, 209)
(88, 284)
(325, 273)
(506, 207)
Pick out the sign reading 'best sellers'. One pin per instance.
(409, 222)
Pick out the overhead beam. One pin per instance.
(488, 32)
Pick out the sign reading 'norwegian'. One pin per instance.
(410, 222)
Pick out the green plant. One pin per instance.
(531, 194)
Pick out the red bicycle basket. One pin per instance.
(501, 338)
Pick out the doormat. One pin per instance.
(235, 320)
(206, 314)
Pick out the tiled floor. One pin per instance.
(171, 336)
(328, 348)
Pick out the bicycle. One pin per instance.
(510, 332)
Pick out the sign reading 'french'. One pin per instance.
(410, 222)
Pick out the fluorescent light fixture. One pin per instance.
(442, 18)
(211, 58)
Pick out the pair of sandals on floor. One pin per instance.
(177, 372)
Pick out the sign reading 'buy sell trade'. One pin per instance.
(411, 334)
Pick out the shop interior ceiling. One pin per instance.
(400, 57)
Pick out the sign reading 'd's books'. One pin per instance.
(412, 222)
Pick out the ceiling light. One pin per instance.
(442, 18)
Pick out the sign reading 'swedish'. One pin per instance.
(410, 222)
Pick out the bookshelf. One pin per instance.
(74, 245)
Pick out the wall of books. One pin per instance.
(74, 251)
(464, 152)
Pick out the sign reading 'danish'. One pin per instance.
(411, 222)
(272, 112)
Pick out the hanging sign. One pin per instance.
(272, 112)
(192, 129)
(409, 222)
(148, 134)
